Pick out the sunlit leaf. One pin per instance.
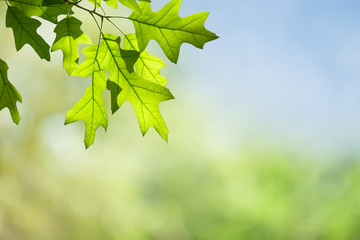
(147, 66)
(68, 37)
(143, 94)
(132, 4)
(169, 30)
(49, 12)
(90, 108)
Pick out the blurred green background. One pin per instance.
(264, 137)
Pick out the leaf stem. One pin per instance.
(102, 17)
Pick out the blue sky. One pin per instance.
(284, 70)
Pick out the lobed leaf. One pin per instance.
(169, 30)
(8, 93)
(143, 94)
(147, 66)
(52, 12)
(90, 108)
(29, 7)
(47, 11)
(68, 37)
(24, 29)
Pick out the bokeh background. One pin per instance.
(264, 136)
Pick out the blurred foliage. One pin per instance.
(247, 196)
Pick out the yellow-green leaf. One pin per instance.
(68, 37)
(169, 30)
(143, 94)
(132, 4)
(90, 108)
(147, 66)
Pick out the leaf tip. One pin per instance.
(87, 145)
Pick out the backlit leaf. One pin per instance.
(169, 30)
(147, 66)
(48, 12)
(68, 37)
(132, 4)
(143, 94)
(90, 108)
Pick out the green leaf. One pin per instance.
(91, 64)
(144, 95)
(52, 12)
(98, 2)
(68, 37)
(24, 29)
(36, 8)
(29, 7)
(132, 4)
(97, 58)
(111, 3)
(52, 2)
(169, 30)
(147, 66)
(8, 93)
(90, 108)
(114, 93)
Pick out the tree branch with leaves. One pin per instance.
(127, 70)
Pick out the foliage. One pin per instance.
(9, 94)
(252, 195)
(117, 62)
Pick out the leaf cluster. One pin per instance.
(116, 62)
